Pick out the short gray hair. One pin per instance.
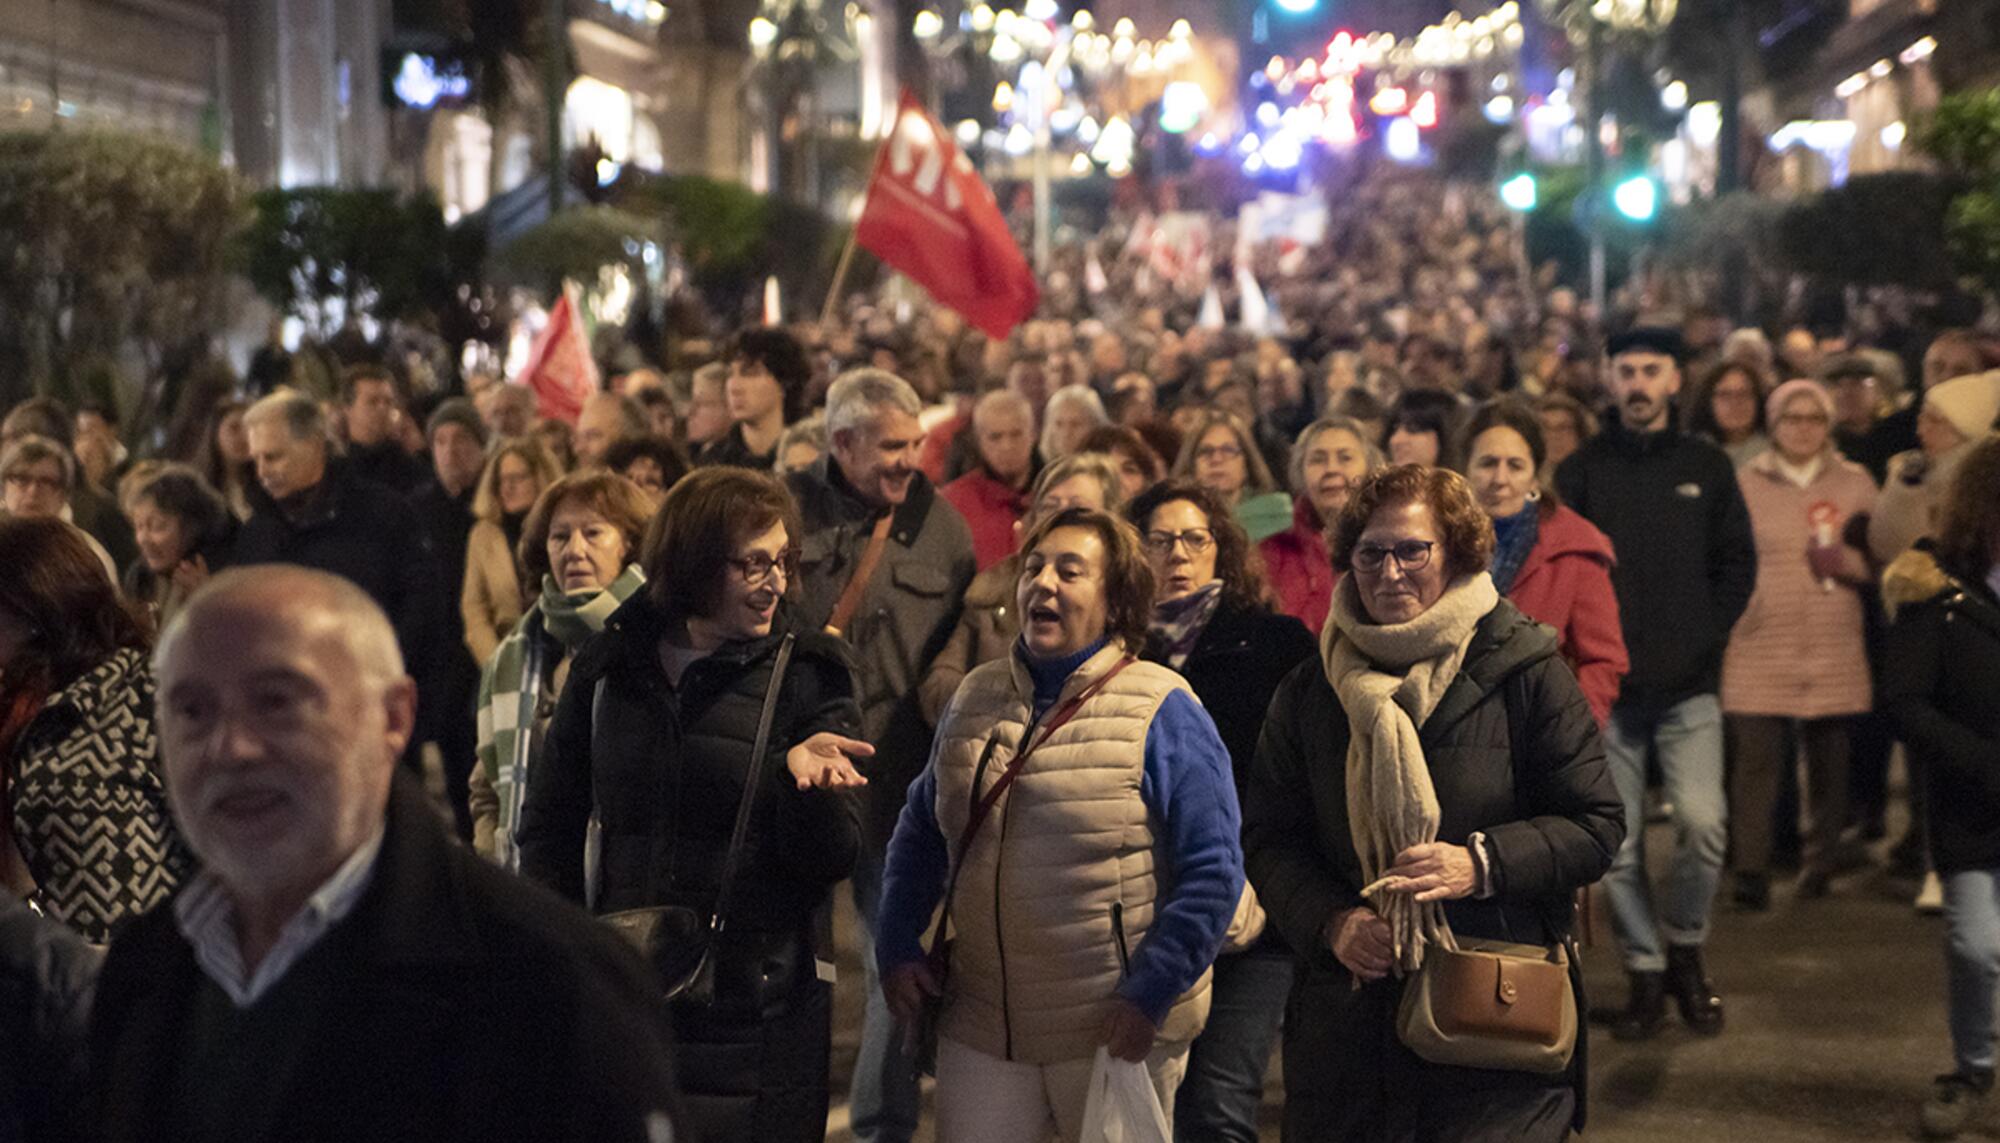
(1099, 466)
(288, 590)
(1077, 394)
(300, 414)
(1003, 401)
(858, 394)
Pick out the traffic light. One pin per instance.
(1519, 193)
(1637, 198)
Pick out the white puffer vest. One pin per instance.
(1068, 848)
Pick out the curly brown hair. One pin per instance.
(1128, 578)
(1462, 525)
(1237, 562)
(609, 495)
(1969, 523)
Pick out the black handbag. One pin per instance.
(679, 942)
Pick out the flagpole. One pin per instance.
(839, 279)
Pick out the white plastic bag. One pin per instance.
(1123, 1107)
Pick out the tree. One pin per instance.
(1963, 134)
(113, 249)
(374, 252)
(1877, 230)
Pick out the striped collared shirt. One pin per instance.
(207, 918)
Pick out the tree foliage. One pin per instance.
(1876, 230)
(577, 243)
(113, 251)
(377, 253)
(1963, 135)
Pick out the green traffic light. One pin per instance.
(1637, 198)
(1519, 192)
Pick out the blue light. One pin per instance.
(1297, 7)
(1637, 198)
(423, 82)
(1519, 192)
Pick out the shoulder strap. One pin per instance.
(984, 806)
(750, 783)
(850, 596)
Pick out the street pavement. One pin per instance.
(1836, 1024)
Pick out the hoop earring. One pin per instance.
(1534, 494)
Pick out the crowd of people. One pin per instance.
(1164, 694)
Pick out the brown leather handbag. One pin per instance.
(1491, 1004)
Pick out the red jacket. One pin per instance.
(990, 509)
(1299, 568)
(1566, 583)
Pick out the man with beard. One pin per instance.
(1686, 565)
(340, 969)
(884, 562)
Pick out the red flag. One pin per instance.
(560, 369)
(930, 216)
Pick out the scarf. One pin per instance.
(1389, 678)
(511, 525)
(1513, 538)
(1178, 623)
(510, 688)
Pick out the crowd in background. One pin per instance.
(1700, 518)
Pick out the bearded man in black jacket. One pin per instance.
(1687, 563)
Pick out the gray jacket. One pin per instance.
(905, 616)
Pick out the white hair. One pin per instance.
(859, 394)
(285, 589)
(1078, 394)
(302, 417)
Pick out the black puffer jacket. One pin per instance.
(1554, 830)
(46, 976)
(1939, 679)
(664, 767)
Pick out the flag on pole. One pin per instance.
(930, 216)
(560, 369)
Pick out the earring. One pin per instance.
(1534, 494)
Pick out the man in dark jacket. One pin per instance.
(885, 561)
(768, 374)
(340, 970)
(312, 511)
(371, 409)
(1687, 563)
(443, 505)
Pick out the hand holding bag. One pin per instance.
(678, 941)
(1493, 1004)
(1123, 1107)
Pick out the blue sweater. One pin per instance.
(1192, 802)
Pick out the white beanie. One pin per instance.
(1971, 403)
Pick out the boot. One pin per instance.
(1954, 1103)
(1700, 1007)
(1645, 1011)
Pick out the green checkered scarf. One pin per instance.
(510, 688)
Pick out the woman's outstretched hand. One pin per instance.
(822, 762)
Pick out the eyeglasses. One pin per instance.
(1196, 539)
(1803, 419)
(31, 481)
(757, 567)
(1411, 555)
(1218, 452)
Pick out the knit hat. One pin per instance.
(1796, 387)
(1971, 403)
(1646, 339)
(456, 411)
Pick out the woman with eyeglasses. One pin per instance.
(653, 737)
(1435, 776)
(1221, 454)
(1795, 673)
(493, 598)
(1213, 623)
(1728, 408)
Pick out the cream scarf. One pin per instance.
(1389, 678)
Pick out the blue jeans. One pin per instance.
(883, 1099)
(1224, 1086)
(1688, 739)
(1972, 962)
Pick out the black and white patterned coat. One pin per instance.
(89, 808)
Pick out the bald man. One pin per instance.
(339, 969)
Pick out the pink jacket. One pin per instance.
(1299, 568)
(1797, 652)
(1566, 583)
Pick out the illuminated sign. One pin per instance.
(426, 82)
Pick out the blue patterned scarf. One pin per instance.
(1513, 538)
